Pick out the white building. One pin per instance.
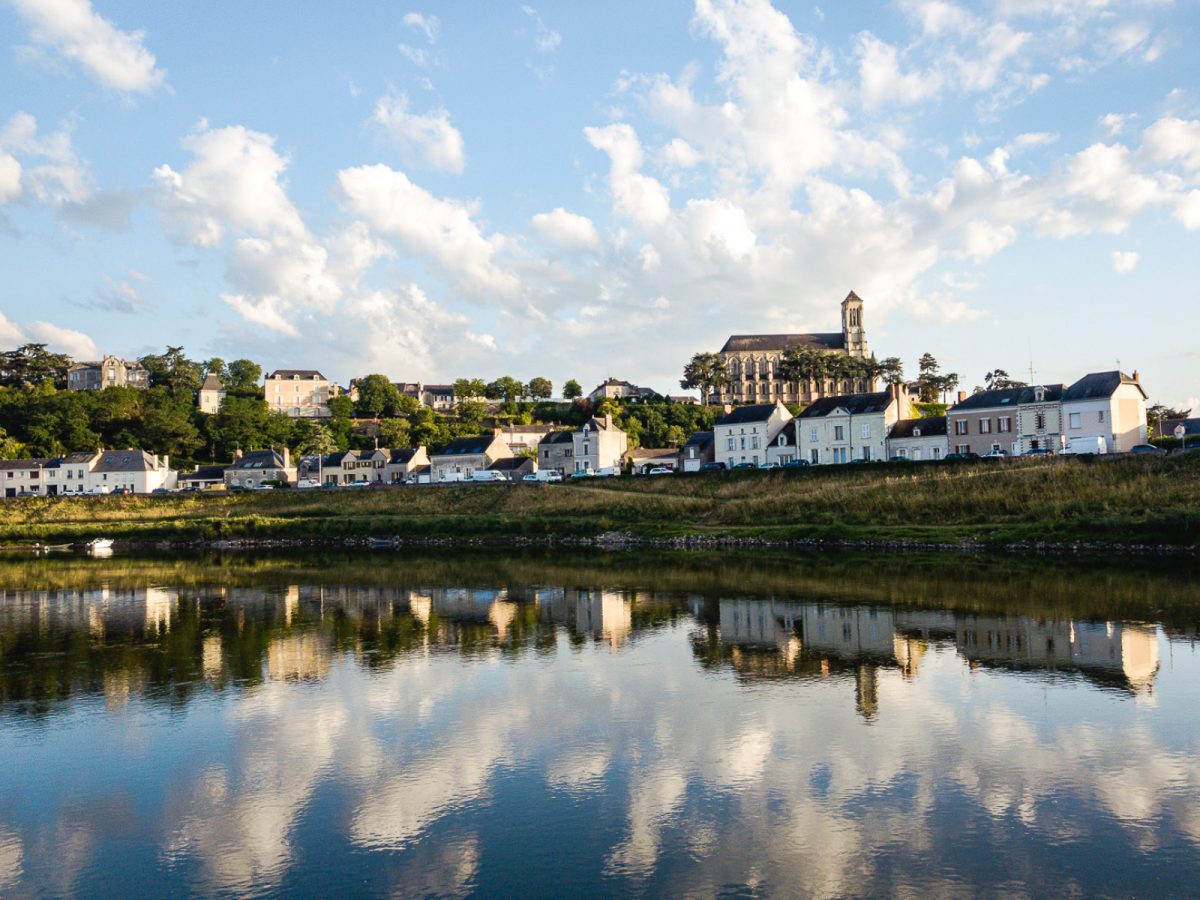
(919, 439)
(599, 444)
(743, 435)
(211, 395)
(1108, 405)
(854, 426)
(106, 471)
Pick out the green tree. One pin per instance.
(33, 364)
(470, 388)
(395, 434)
(244, 378)
(316, 441)
(216, 366)
(572, 390)
(341, 407)
(705, 372)
(471, 413)
(505, 388)
(174, 371)
(929, 381)
(998, 379)
(377, 396)
(891, 370)
(540, 388)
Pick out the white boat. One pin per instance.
(99, 544)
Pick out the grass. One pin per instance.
(1126, 501)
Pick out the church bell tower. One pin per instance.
(854, 336)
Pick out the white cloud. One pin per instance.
(427, 25)
(544, 38)
(1114, 123)
(679, 152)
(116, 59)
(566, 229)
(74, 343)
(429, 135)
(51, 172)
(10, 177)
(439, 229)
(637, 196)
(882, 81)
(1172, 139)
(1124, 261)
(11, 334)
(233, 181)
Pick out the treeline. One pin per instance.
(40, 418)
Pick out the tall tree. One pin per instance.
(705, 372)
(395, 434)
(891, 370)
(572, 389)
(540, 388)
(33, 364)
(469, 388)
(377, 396)
(998, 379)
(928, 381)
(505, 388)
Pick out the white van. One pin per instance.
(1083, 446)
(487, 476)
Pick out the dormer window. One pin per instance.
(916, 432)
(1039, 394)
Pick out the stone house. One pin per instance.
(1109, 405)
(402, 465)
(697, 451)
(299, 393)
(464, 456)
(855, 426)
(919, 439)
(203, 478)
(260, 467)
(349, 466)
(1015, 420)
(514, 468)
(643, 459)
(111, 371)
(598, 444)
(743, 434)
(211, 395)
(615, 389)
(557, 451)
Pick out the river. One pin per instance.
(541, 724)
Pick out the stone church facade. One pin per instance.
(752, 362)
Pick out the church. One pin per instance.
(752, 362)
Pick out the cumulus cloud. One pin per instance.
(637, 196)
(116, 59)
(1124, 261)
(438, 229)
(427, 25)
(74, 343)
(566, 229)
(544, 38)
(429, 136)
(51, 172)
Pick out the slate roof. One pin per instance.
(855, 404)
(511, 464)
(205, 473)
(259, 459)
(934, 426)
(558, 437)
(758, 343)
(336, 459)
(742, 415)
(465, 446)
(700, 439)
(1098, 386)
(72, 459)
(212, 383)
(440, 389)
(125, 461)
(296, 373)
(401, 457)
(647, 453)
(24, 463)
(1008, 397)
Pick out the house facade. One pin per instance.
(211, 395)
(204, 478)
(111, 371)
(514, 468)
(299, 393)
(1014, 420)
(438, 397)
(698, 451)
(837, 430)
(1108, 405)
(23, 476)
(615, 389)
(919, 440)
(350, 466)
(752, 362)
(403, 465)
(643, 459)
(259, 467)
(598, 444)
(784, 448)
(557, 451)
(462, 457)
(743, 434)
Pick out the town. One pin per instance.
(164, 423)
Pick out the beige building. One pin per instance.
(856, 426)
(299, 393)
(212, 395)
(1106, 405)
(1013, 420)
(403, 465)
(112, 371)
(743, 434)
(752, 362)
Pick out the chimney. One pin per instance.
(727, 408)
(287, 457)
(237, 454)
(962, 396)
(166, 461)
(1136, 377)
(608, 421)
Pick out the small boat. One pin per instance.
(99, 544)
(381, 543)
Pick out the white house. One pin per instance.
(1108, 405)
(22, 476)
(211, 395)
(743, 434)
(599, 444)
(853, 426)
(919, 439)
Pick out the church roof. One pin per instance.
(757, 343)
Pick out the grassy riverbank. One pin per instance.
(1106, 500)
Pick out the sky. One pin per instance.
(572, 190)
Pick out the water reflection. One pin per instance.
(247, 735)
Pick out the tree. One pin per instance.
(174, 371)
(395, 434)
(377, 396)
(806, 366)
(471, 413)
(947, 383)
(928, 381)
(540, 388)
(891, 370)
(469, 388)
(705, 372)
(318, 441)
(505, 388)
(33, 364)
(572, 390)
(998, 379)
(341, 407)
(244, 378)
(216, 366)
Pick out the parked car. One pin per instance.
(162, 490)
(583, 473)
(1040, 451)
(769, 465)
(745, 466)
(661, 470)
(1147, 450)
(531, 478)
(903, 459)
(713, 467)
(796, 464)
(996, 454)
(308, 483)
(961, 456)
(1087, 446)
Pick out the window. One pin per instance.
(730, 443)
(743, 439)
(1004, 424)
(1102, 416)
(839, 432)
(1075, 420)
(1039, 421)
(783, 440)
(985, 426)
(960, 426)
(962, 448)
(754, 442)
(937, 452)
(814, 456)
(812, 434)
(866, 454)
(866, 431)
(903, 453)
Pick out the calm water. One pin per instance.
(658, 725)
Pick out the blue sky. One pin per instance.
(582, 190)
